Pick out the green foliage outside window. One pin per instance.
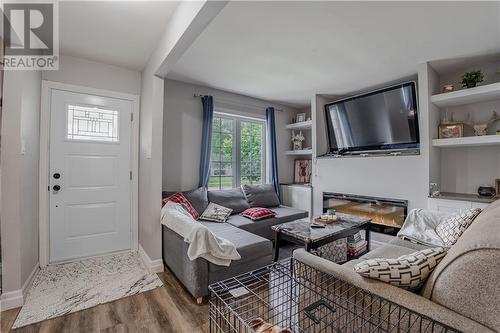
(250, 164)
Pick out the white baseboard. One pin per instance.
(14, 299)
(11, 300)
(153, 266)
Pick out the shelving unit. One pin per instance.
(304, 125)
(299, 152)
(488, 92)
(460, 165)
(471, 141)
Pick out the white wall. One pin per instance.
(185, 24)
(19, 187)
(182, 126)
(93, 74)
(402, 177)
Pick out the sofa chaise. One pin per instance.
(252, 239)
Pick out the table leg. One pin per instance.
(308, 247)
(276, 246)
(367, 238)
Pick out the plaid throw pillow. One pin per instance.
(181, 199)
(408, 272)
(258, 213)
(216, 213)
(453, 227)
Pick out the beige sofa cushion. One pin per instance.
(408, 271)
(467, 279)
(454, 226)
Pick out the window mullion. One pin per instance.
(237, 154)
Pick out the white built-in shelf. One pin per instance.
(300, 126)
(299, 152)
(469, 141)
(479, 94)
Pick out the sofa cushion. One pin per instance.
(387, 251)
(454, 226)
(258, 213)
(197, 197)
(181, 199)
(248, 245)
(408, 271)
(261, 195)
(408, 244)
(231, 198)
(472, 268)
(263, 227)
(216, 213)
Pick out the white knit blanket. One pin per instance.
(420, 227)
(202, 242)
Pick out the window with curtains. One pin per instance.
(237, 152)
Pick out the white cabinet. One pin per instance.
(297, 196)
(453, 206)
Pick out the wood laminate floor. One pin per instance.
(166, 309)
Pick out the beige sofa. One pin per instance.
(463, 291)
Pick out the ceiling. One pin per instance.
(122, 33)
(287, 51)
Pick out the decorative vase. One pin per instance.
(297, 145)
(486, 191)
(470, 84)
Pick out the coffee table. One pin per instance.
(300, 232)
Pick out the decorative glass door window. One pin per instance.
(237, 152)
(92, 124)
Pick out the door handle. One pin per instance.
(56, 188)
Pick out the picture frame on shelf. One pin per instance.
(451, 131)
(302, 171)
(301, 117)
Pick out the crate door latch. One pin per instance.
(309, 310)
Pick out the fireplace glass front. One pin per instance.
(388, 215)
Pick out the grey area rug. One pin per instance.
(71, 287)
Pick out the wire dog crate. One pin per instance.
(290, 296)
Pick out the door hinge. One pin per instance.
(130, 175)
(132, 116)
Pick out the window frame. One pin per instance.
(236, 158)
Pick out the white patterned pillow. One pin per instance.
(216, 213)
(453, 227)
(408, 272)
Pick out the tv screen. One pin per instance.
(381, 120)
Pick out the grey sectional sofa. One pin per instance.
(252, 239)
(463, 291)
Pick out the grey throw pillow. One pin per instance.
(408, 272)
(197, 197)
(231, 198)
(261, 195)
(216, 213)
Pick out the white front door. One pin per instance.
(89, 175)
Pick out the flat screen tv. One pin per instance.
(382, 120)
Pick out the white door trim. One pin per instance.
(47, 86)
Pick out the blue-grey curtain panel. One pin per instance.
(272, 148)
(206, 139)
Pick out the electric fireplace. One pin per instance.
(388, 215)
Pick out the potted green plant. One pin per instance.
(470, 79)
